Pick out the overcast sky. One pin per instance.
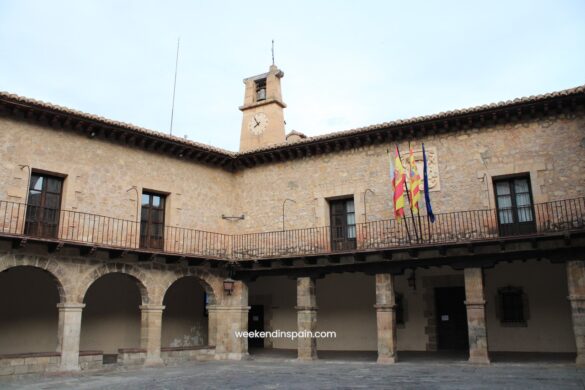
(347, 63)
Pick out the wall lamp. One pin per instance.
(228, 285)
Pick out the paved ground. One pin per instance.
(288, 374)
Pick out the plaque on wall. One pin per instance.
(432, 166)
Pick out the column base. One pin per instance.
(154, 362)
(311, 358)
(479, 360)
(69, 368)
(580, 360)
(386, 359)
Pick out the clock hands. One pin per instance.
(256, 120)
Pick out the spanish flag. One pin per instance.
(398, 183)
(414, 184)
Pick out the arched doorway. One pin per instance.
(111, 318)
(29, 319)
(185, 320)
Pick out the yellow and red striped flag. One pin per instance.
(414, 184)
(398, 182)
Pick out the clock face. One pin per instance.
(257, 123)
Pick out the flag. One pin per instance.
(398, 182)
(414, 184)
(430, 214)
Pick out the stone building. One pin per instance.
(120, 245)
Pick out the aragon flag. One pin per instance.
(414, 184)
(430, 214)
(398, 182)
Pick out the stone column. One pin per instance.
(386, 318)
(69, 330)
(306, 317)
(150, 333)
(211, 325)
(576, 285)
(231, 318)
(476, 322)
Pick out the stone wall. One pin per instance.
(29, 363)
(463, 165)
(173, 355)
(467, 162)
(100, 173)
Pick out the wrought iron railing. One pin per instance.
(18, 219)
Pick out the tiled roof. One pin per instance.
(419, 119)
(127, 126)
(32, 103)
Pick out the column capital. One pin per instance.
(149, 307)
(384, 307)
(471, 303)
(306, 308)
(70, 306)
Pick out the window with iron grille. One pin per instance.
(512, 306)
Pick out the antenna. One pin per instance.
(273, 52)
(175, 86)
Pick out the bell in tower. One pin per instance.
(263, 111)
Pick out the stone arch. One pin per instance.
(138, 275)
(48, 265)
(210, 283)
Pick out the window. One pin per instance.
(44, 204)
(343, 230)
(152, 221)
(514, 204)
(512, 306)
(260, 90)
(399, 300)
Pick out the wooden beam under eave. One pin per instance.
(56, 122)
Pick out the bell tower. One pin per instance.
(263, 116)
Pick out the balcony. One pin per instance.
(60, 228)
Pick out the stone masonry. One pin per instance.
(476, 323)
(73, 276)
(386, 318)
(306, 317)
(576, 285)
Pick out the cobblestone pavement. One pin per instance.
(285, 374)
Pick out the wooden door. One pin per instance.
(44, 206)
(515, 206)
(343, 229)
(451, 318)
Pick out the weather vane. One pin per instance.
(273, 52)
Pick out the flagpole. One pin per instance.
(418, 213)
(425, 183)
(394, 204)
(408, 196)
